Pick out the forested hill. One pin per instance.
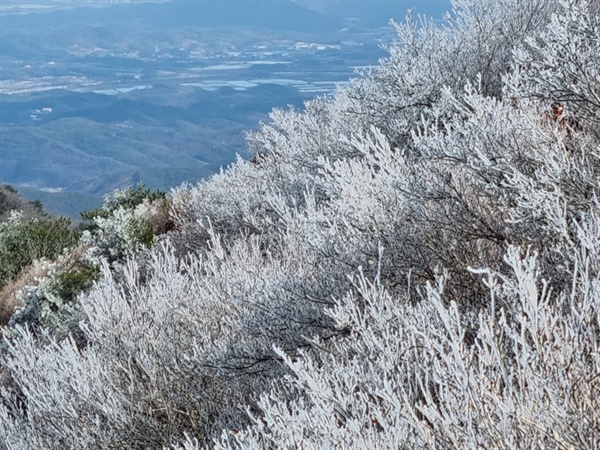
(413, 262)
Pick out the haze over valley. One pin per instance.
(97, 98)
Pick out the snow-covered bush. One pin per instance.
(475, 41)
(559, 64)
(412, 263)
(127, 223)
(417, 375)
(48, 304)
(182, 349)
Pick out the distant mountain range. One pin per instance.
(279, 15)
(295, 15)
(375, 12)
(104, 94)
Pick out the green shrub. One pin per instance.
(9, 188)
(22, 242)
(69, 284)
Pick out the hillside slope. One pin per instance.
(412, 263)
(10, 200)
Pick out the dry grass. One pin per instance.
(11, 294)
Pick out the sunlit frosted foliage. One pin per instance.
(420, 376)
(560, 64)
(412, 263)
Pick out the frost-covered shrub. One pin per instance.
(127, 223)
(306, 153)
(475, 41)
(26, 244)
(392, 98)
(416, 375)
(252, 325)
(560, 64)
(128, 198)
(182, 349)
(49, 302)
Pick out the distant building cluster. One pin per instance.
(36, 113)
